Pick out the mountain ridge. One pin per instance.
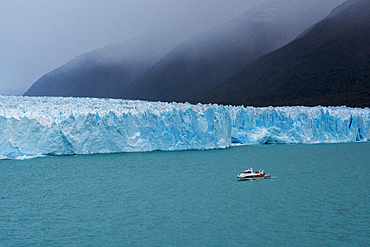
(102, 73)
(191, 69)
(201, 63)
(328, 65)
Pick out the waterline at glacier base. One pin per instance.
(32, 126)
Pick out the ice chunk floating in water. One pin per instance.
(31, 126)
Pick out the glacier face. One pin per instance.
(299, 124)
(38, 126)
(31, 126)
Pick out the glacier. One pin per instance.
(298, 124)
(34, 126)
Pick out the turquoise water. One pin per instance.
(318, 196)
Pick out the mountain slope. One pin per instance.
(140, 69)
(328, 65)
(103, 73)
(203, 62)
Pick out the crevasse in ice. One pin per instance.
(31, 126)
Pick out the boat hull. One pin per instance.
(253, 177)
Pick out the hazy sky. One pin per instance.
(37, 36)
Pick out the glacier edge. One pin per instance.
(299, 124)
(53, 126)
(34, 126)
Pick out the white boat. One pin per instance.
(250, 175)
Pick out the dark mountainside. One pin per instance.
(103, 73)
(88, 78)
(328, 65)
(192, 68)
(203, 62)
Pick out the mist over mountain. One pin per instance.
(328, 65)
(102, 73)
(144, 69)
(203, 62)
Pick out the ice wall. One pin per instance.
(252, 125)
(36, 126)
(40, 126)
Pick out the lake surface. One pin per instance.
(318, 196)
